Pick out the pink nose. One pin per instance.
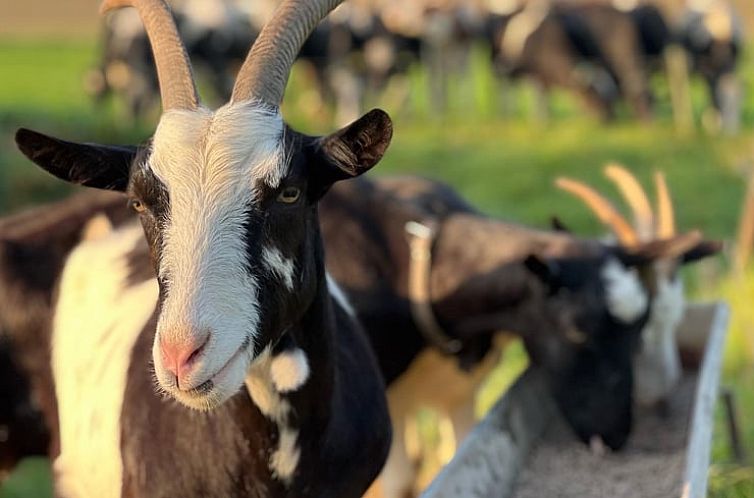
(179, 357)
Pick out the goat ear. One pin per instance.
(673, 248)
(547, 271)
(702, 250)
(357, 148)
(557, 224)
(99, 166)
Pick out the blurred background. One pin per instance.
(496, 97)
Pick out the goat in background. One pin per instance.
(434, 297)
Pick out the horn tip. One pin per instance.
(613, 166)
(109, 5)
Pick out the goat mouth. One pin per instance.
(207, 387)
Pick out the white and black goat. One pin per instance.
(711, 35)
(33, 248)
(433, 300)
(363, 228)
(657, 364)
(228, 203)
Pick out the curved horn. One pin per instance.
(636, 198)
(177, 87)
(604, 210)
(665, 211)
(264, 74)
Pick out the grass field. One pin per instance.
(504, 163)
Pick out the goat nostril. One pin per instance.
(197, 352)
(179, 357)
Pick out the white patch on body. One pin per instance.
(625, 5)
(96, 323)
(627, 299)
(261, 386)
(719, 22)
(279, 265)
(284, 460)
(210, 164)
(98, 227)
(339, 296)
(503, 7)
(289, 370)
(657, 365)
(521, 27)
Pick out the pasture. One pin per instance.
(487, 146)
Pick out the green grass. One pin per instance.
(505, 162)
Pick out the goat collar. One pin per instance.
(420, 239)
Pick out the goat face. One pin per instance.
(584, 335)
(228, 204)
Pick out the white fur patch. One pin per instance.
(520, 28)
(97, 321)
(261, 387)
(210, 164)
(279, 265)
(719, 22)
(289, 370)
(340, 297)
(657, 365)
(625, 5)
(626, 297)
(284, 460)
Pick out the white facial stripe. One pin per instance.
(260, 383)
(339, 296)
(657, 366)
(97, 321)
(210, 164)
(289, 370)
(279, 265)
(626, 297)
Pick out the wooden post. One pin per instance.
(676, 65)
(745, 238)
(734, 432)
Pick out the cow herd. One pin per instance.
(235, 310)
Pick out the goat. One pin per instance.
(216, 34)
(712, 35)
(578, 304)
(554, 51)
(33, 248)
(227, 201)
(370, 216)
(609, 38)
(657, 364)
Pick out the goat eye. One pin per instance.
(137, 205)
(289, 195)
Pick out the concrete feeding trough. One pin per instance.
(523, 449)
